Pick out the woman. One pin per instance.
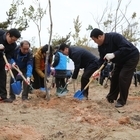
(39, 66)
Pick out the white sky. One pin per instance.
(63, 14)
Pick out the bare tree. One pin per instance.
(117, 21)
(36, 15)
(48, 52)
(14, 18)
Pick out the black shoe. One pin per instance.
(110, 100)
(25, 99)
(118, 105)
(8, 100)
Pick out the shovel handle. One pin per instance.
(6, 61)
(18, 70)
(102, 66)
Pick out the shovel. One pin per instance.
(79, 94)
(21, 74)
(16, 85)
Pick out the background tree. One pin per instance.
(36, 15)
(116, 21)
(57, 40)
(14, 18)
(78, 41)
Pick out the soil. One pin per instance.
(67, 118)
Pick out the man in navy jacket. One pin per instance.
(23, 58)
(114, 47)
(7, 39)
(82, 59)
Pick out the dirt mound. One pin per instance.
(19, 132)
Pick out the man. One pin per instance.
(82, 59)
(7, 39)
(22, 58)
(114, 47)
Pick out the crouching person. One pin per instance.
(60, 64)
(39, 67)
(24, 60)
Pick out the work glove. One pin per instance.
(28, 80)
(109, 56)
(19, 77)
(1, 47)
(7, 66)
(14, 65)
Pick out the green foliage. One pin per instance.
(36, 15)
(83, 42)
(57, 40)
(13, 18)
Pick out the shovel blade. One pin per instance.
(79, 95)
(16, 87)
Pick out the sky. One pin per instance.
(63, 14)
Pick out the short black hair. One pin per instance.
(44, 49)
(96, 32)
(63, 46)
(24, 41)
(14, 33)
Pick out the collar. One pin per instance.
(106, 40)
(4, 37)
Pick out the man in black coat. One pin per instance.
(114, 47)
(7, 39)
(83, 59)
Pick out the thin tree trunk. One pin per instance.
(48, 53)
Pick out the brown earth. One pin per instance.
(67, 118)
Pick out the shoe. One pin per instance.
(8, 100)
(62, 92)
(43, 89)
(2, 99)
(118, 105)
(84, 98)
(110, 100)
(24, 98)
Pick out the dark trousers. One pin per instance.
(26, 88)
(85, 77)
(121, 80)
(3, 91)
(38, 81)
(60, 82)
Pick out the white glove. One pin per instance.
(109, 56)
(14, 65)
(28, 80)
(1, 47)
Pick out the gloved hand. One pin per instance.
(1, 47)
(28, 80)
(13, 65)
(109, 56)
(7, 66)
(96, 74)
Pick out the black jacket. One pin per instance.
(82, 58)
(117, 44)
(9, 48)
